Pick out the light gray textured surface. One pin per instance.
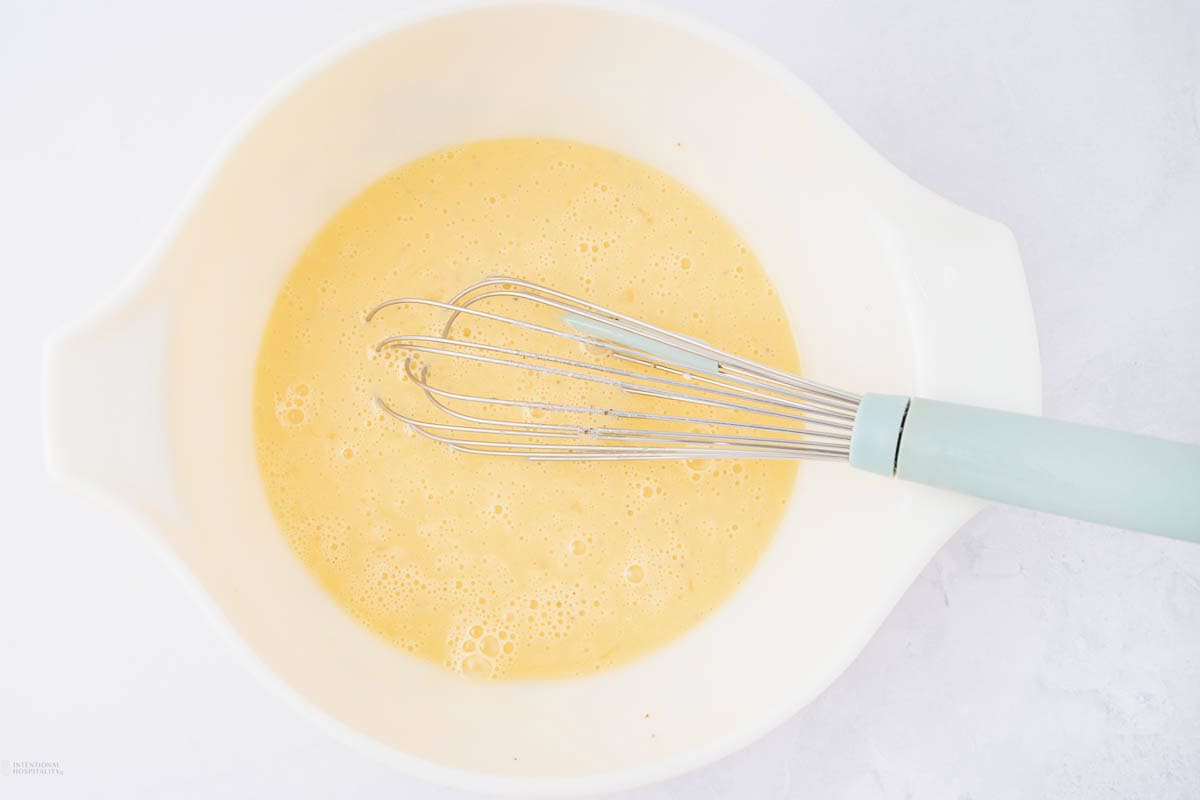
(1035, 657)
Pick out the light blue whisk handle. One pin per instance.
(1122, 479)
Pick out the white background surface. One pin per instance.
(1035, 657)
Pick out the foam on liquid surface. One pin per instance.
(496, 567)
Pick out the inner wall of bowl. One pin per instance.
(775, 164)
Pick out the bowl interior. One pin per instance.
(874, 271)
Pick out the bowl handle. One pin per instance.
(105, 385)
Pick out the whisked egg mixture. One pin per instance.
(495, 567)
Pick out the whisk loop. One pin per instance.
(721, 405)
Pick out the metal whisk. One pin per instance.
(724, 406)
(760, 412)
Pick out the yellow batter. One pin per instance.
(494, 567)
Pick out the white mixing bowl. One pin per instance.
(890, 288)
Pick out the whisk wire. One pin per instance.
(810, 420)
